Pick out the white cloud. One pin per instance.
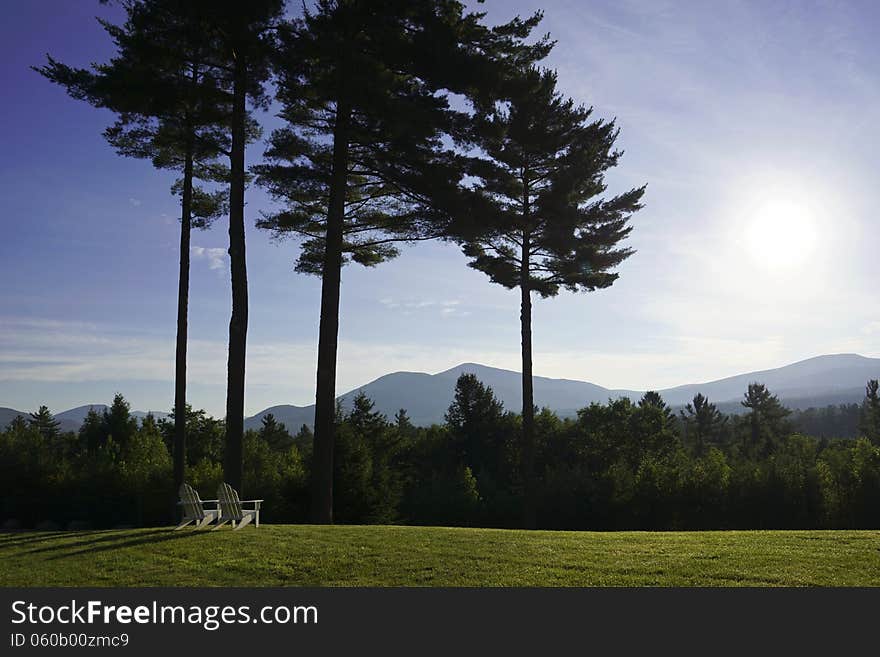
(216, 257)
(135, 202)
(446, 308)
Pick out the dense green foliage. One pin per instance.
(620, 465)
(308, 555)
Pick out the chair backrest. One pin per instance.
(230, 505)
(192, 504)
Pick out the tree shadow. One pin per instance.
(154, 537)
(35, 537)
(105, 537)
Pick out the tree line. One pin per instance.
(373, 153)
(619, 465)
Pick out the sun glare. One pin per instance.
(781, 234)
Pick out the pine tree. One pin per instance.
(474, 418)
(243, 36)
(405, 428)
(171, 109)
(539, 223)
(275, 433)
(118, 423)
(702, 423)
(766, 418)
(653, 398)
(870, 412)
(44, 422)
(361, 164)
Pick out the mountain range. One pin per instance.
(72, 419)
(815, 382)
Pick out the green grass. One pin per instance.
(302, 555)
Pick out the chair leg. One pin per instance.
(219, 525)
(244, 521)
(183, 524)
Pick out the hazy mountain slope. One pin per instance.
(819, 381)
(7, 415)
(293, 417)
(816, 382)
(814, 377)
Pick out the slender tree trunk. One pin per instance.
(755, 430)
(182, 310)
(528, 397)
(239, 320)
(325, 395)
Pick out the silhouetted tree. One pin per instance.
(542, 225)
(171, 110)
(473, 417)
(870, 415)
(361, 164)
(654, 399)
(275, 433)
(405, 428)
(118, 421)
(702, 423)
(243, 35)
(765, 419)
(44, 422)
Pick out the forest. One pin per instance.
(620, 465)
(403, 122)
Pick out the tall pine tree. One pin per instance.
(243, 36)
(361, 164)
(540, 223)
(171, 109)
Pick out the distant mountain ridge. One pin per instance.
(818, 382)
(72, 419)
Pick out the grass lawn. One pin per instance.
(303, 555)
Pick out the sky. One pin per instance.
(753, 124)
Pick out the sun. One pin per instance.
(781, 234)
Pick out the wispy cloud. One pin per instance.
(446, 308)
(135, 202)
(215, 257)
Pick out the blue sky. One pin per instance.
(751, 122)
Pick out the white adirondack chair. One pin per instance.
(231, 509)
(194, 510)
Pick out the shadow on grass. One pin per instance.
(143, 538)
(105, 537)
(19, 538)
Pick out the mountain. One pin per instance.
(816, 382)
(7, 415)
(819, 381)
(293, 417)
(72, 419)
(839, 376)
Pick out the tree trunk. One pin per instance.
(528, 397)
(325, 395)
(239, 320)
(182, 310)
(756, 430)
